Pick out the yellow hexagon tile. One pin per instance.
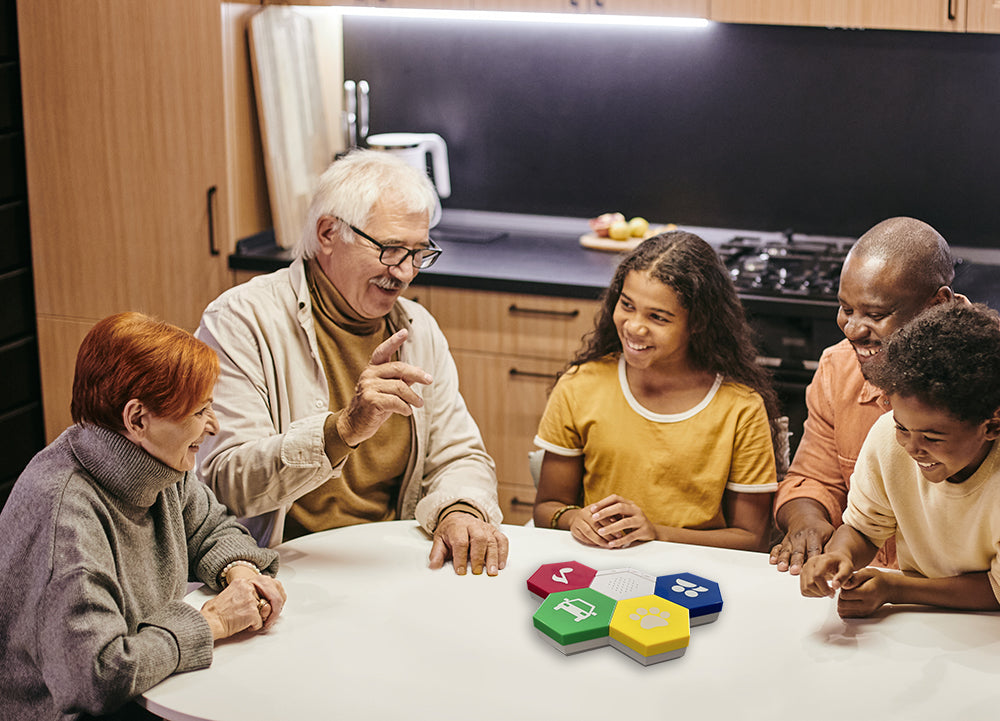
(650, 629)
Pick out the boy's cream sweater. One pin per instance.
(942, 529)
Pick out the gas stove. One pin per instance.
(788, 268)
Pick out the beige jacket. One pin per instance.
(272, 400)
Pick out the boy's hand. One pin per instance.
(822, 575)
(863, 593)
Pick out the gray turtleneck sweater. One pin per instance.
(99, 540)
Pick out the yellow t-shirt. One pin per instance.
(676, 467)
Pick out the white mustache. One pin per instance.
(389, 283)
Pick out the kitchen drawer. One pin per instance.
(512, 323)
(506, 395)
(517, 502)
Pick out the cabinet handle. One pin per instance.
(211, 221)
(515, 501)
(514, 372)
(951, 10)
(542, 311)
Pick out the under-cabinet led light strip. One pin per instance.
(568, 18)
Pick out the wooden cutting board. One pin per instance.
(596, 242)
(298, 80)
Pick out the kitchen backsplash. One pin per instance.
(769, 128)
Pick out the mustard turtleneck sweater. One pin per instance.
(369, 485)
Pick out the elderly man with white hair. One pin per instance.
(338, 399)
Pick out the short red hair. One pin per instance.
(132, 355)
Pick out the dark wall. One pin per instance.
(766, 128)
(21, 430)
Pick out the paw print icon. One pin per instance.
(650, 629)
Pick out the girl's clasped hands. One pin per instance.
(612, 522)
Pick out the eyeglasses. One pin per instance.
(394, 255)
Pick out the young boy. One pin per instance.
(929, 473)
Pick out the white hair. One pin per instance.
(351, 187)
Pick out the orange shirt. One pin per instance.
(842, 407)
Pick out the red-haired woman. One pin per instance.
(106, 526)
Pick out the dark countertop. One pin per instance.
(538, 255)
(541, 255)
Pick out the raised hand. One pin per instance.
(384, 388)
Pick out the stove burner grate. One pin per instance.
(801, 269)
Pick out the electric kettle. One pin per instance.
(414, 149)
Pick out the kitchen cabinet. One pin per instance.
(509, 348)
(130, 141)
(674, 8)
(433, 4)
(680, 8)
(425, 4)
(983, 16)
(544, 6)
(939, 15)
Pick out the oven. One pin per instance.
(788, 287)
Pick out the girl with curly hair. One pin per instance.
(660, 427)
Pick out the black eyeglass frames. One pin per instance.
(393, 255)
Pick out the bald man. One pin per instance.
(894, 271)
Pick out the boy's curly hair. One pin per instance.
(948, 357)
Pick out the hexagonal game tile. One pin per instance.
(566, 576)
(700, 596)
(575, 621)
(650, 629)
(622, 583)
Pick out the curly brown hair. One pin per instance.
(721, 339)
(948, 357)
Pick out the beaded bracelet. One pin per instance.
(554, 523)
(224, 573)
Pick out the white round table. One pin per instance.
(369, 632)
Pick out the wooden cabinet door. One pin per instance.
(124, 135)
(544, 6)
(509, 349)
(429, 4)
(946, 15)
(506, 395)
(125, 142)
(673, 8)
(425, 4)
(512, 323)
(984, 16)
